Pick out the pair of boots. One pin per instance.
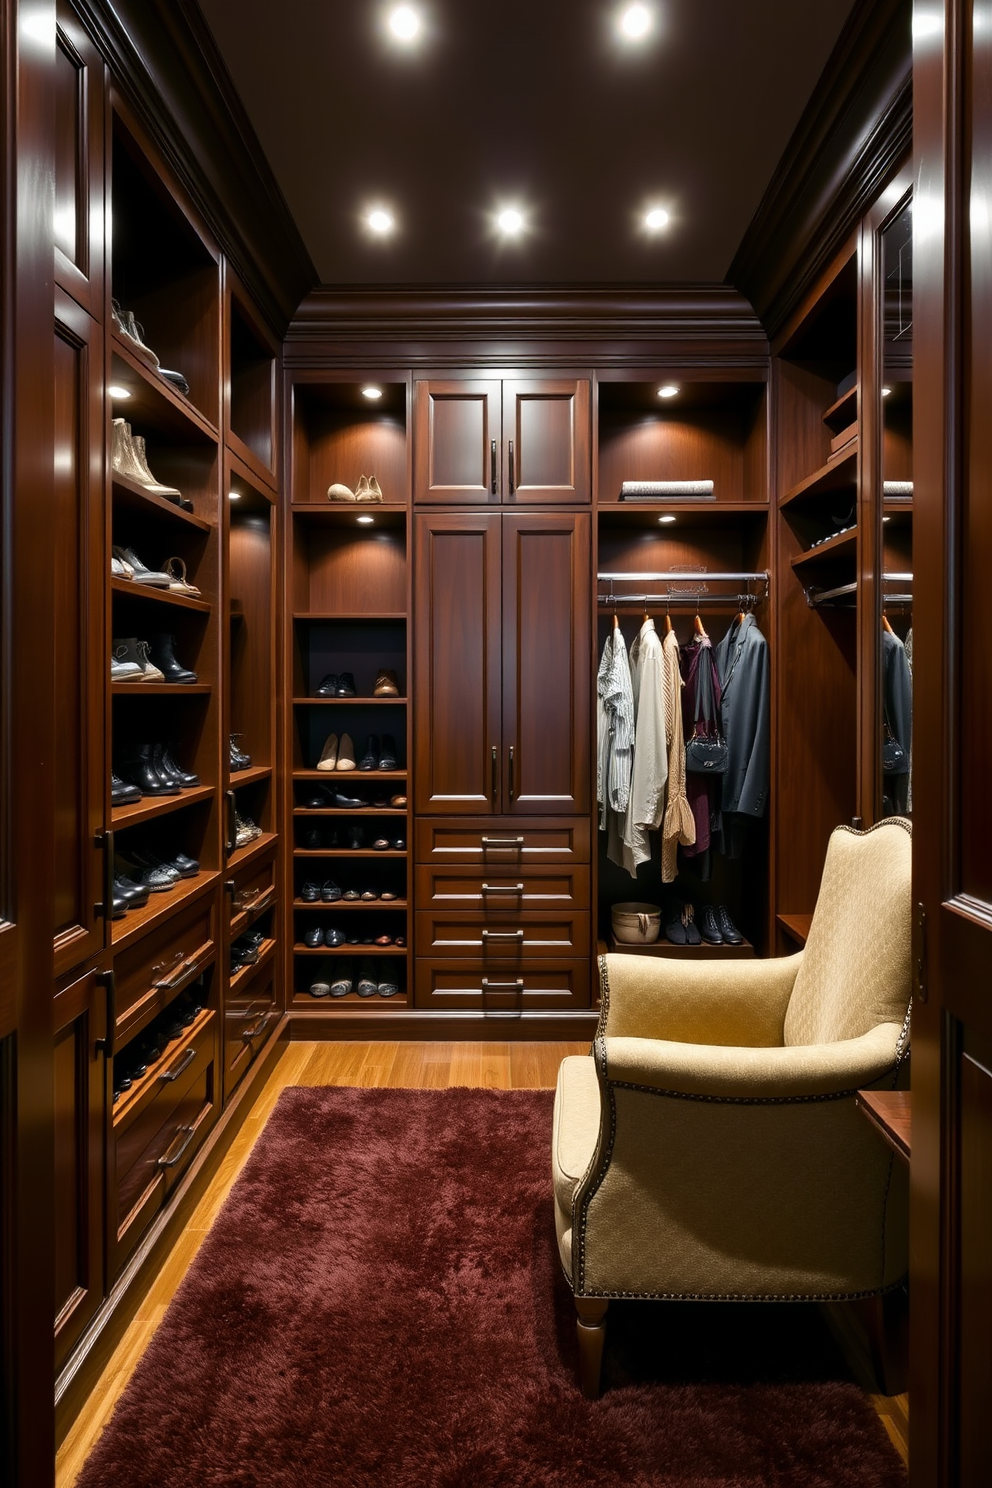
(151, 770)
(134, 660)
(129, 458)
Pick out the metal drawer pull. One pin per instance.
(513, 482)
(502, 842)
(183, 1064)
(494, 784)
(492, 467)
(502, 935)
(249, 1033)
(166, 983)
(502, 888)
(511, 772)
(515, 986)
(170, 1162)
(254, 901)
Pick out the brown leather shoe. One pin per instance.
(386, 684)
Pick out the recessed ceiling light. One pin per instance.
(371, 392)
(635, 22)
(667, 518)
(365, 521)
(380, 221)
(118, 392)
(655, 219)
(886, 391)
(668, 391)
(234, 495)
(510, 221)
(886, 519)
(404, 23)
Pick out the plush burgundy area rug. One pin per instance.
(380, 1303)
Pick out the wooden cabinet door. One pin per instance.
(547, 663)
(456, 657)
(457, 443)
(81, 660)
(79, 1069)
(546, 442)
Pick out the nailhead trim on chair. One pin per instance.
(738, 1100)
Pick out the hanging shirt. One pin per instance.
(646, 806)
(743, 667)
(615, 710)
(678, 825)
(702, 791)
(897, 696)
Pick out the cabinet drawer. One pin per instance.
(249, 1017)
(249, 892)
(505, 937)
(502, 842)
(156, 1138)
(500, 891)
(150, 973)
(502, 990)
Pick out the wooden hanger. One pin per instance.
(700, 631)
(886, 625)
(668, 618)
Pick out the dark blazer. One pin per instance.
(743, 666)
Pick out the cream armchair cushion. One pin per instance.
(705, 1149)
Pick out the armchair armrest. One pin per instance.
(749, 1074)
(741, 1003)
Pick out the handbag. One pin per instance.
(706, 754)
(895, 760)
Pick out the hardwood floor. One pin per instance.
(511, 1066)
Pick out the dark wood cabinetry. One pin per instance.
(511, 442)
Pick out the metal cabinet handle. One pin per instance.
(106, 909)
(512, 471)
(511, 772)
(502, 888)
(247, 1034)
(502, 935)
(259, 898)
(517, 985)
(165, 1161)
(232, 828)
(492, 467)
(502, 842)
(494, 785)
(166, 983)
(184, 1064)
(106, 1044)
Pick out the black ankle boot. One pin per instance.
(140, 769)
(171, 767)
(164, 657)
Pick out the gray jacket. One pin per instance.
(743, 667)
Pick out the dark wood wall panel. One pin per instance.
(974, 1260)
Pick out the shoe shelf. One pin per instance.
(151, 1080)
(305, 999)
(384, 514)
(253, 849)
(841, 545)
(160, 689)
(358, 951)
(303, 617)
(155, 401)
(836, 475)
(330, 776)
(378, 702)
(152, 806)
(796, 926)
(390, 853)
(160, 907)
(238, 778)
(245, 918)
(244, 974)
(349, 906)
(145, 592)
(399, 812)
(702, 952)
(134, 498)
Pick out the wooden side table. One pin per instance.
(890, 1113)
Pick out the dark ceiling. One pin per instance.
(535, 103)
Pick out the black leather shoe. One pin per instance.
(118, 904)
(314, 936)
(312, 839)
(188, 867)
(164, 656)
(387, 754)
(344, 802)
(329, 686)
(123, 792)
(329, 892)
(333, 936)
(346, 685)
(356, 839)
(169, 765)
(310, 893)
(140, 770)
(317, 800)
(135, 895)
(708, 927)
(341, 979)
(321, 984)
(398, 844)
(728, 929)
(370, 759)
(675, 923)
(368, 982)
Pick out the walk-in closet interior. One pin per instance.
(320, 600)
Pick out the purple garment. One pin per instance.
(702, 791)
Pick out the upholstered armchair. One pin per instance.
(709, 1147)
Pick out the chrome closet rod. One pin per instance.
(689, 578)
(698, 600)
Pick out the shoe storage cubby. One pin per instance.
(348, 579)
(253, 363)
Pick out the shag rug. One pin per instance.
(380, 1303)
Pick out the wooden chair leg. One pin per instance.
(591, 1331)
(886, 1320)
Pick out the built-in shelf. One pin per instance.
(154, 401)
(151, 806)
(160, 689)
(346, 906)
(328, 777)
(837, 475)
(319, 616)
(844, 412)
(130, 496)
(151, 1079)
(143, 592)
(253, 849)
(359, 951)
(841, 545)
(393, 853)
(160, 907)
(245, 973)
(377, 702)
(796, 926)
(252, 776)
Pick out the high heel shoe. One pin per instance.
(329, 754)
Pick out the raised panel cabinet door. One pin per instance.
(547, 663)
(546, 442)
(81, 663)
(79, 165)
(79, 1068)
(456, 663)
(457, 443)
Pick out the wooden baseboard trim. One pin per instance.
(424, 1024)
(82, 1370)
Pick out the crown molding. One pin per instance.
(461, 325)
(853, 136)
(165, 63)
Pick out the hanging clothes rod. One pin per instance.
(815, 597)
(682, 577)
(695, 599)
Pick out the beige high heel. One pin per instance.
(178, 582)
(362, 491)
(329, 754)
